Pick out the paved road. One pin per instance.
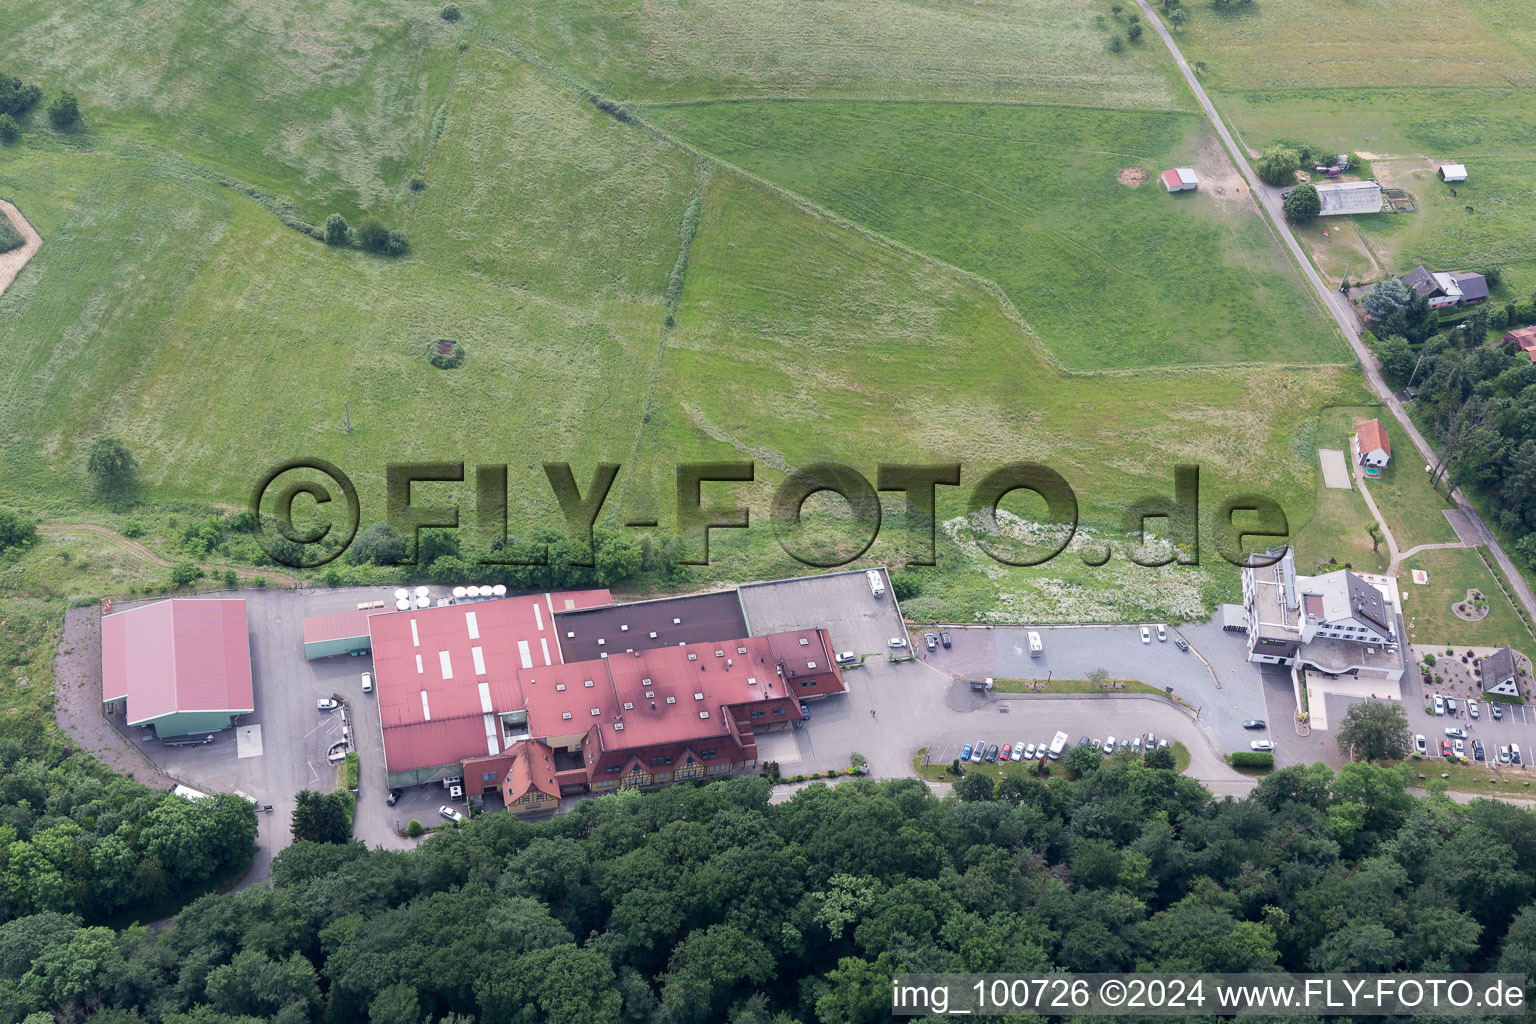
(1336, 304)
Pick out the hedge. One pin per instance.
(1251, 759)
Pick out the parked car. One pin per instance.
(1264, 745)
(1162, 744)
(1083, 741)
(1109, 745)
(1007, 752)
(1146, 635)
(1420, 746)
(1460, 746)
(1477, 750)
(805, 712)
(992, 753)
(848, 658)
(965, 752)
(327, 704)
(1162, 633)
(1450, 705)
(1018, 752)
(1445, 748)
(1514, 753)
(1151, 740)
(1029, 752)
(898, 642)
(1503, 755)
(1285, 195)
(1497, 709)
(451, 814)
(1472, 708)
(1456, 732)
(1178, 642)
(979, 752)
(944, 637)
(1254, 723)
(931, 640)
(1439, 704)
(367, 682)
(1095, 744)
(394, 796)
(1136, 745)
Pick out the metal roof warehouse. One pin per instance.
(644, 625)
(181, 666)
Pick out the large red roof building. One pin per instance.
(483, 687)
(182, 666)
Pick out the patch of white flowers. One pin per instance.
(1065, 589)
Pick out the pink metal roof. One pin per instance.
(426, 669)
(177, 655)
(337, 626)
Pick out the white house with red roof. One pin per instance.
(1371, 445)
(1180, 179)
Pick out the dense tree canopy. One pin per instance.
(705, 903)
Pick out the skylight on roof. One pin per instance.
(565, 715)
(698, 696)
(671, 700)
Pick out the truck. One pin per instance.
(876, 584)
(1036, 648)
(1058, 744)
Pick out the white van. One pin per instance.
(876, 584)
(1036, 648)
(367, 682)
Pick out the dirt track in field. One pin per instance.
(12, 262)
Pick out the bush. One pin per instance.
(1116, 44)
(16, 531)
(64, 112)
(336, 230)
(445, 353)
(450, 13)
(349, 770)
(372, 236)
(10, 131)
(418, 183)
(1251, 759)
(15, 98)
(906, 584)
(1133, 30)
(414, 828)
(1429, 659)
(132, 528)
(184, 574)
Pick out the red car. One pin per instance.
(1007, 749)
(1445, 748)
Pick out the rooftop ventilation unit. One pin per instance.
(671, 700)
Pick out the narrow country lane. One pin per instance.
(1336, 304)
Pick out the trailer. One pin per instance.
(876, 584)
(1058, 744)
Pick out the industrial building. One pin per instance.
(645, 625)
(1348, 197)
(179, 666)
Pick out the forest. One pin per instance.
(704, 903)
(1479, 405)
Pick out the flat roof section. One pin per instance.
(590, 633)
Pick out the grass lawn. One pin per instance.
(1338, 534)
(1106, 276)
(1413, 509)
(1072, 686)
(1452, 572)
(1469, 778)
(1044, 51)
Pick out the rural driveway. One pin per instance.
(1336, 304)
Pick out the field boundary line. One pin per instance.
(893, 100)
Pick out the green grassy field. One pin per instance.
(1338, 534)
(1045, 51)
(1408, 93)
(1108, 277)
(1451, 572)
(184, 316)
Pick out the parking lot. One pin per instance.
(841, 603)
(1071, 652)
(281, 748)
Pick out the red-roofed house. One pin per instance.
(182, 666)
(1371, 445)
(652, 717)
(1179, 179)
(1525, 337)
